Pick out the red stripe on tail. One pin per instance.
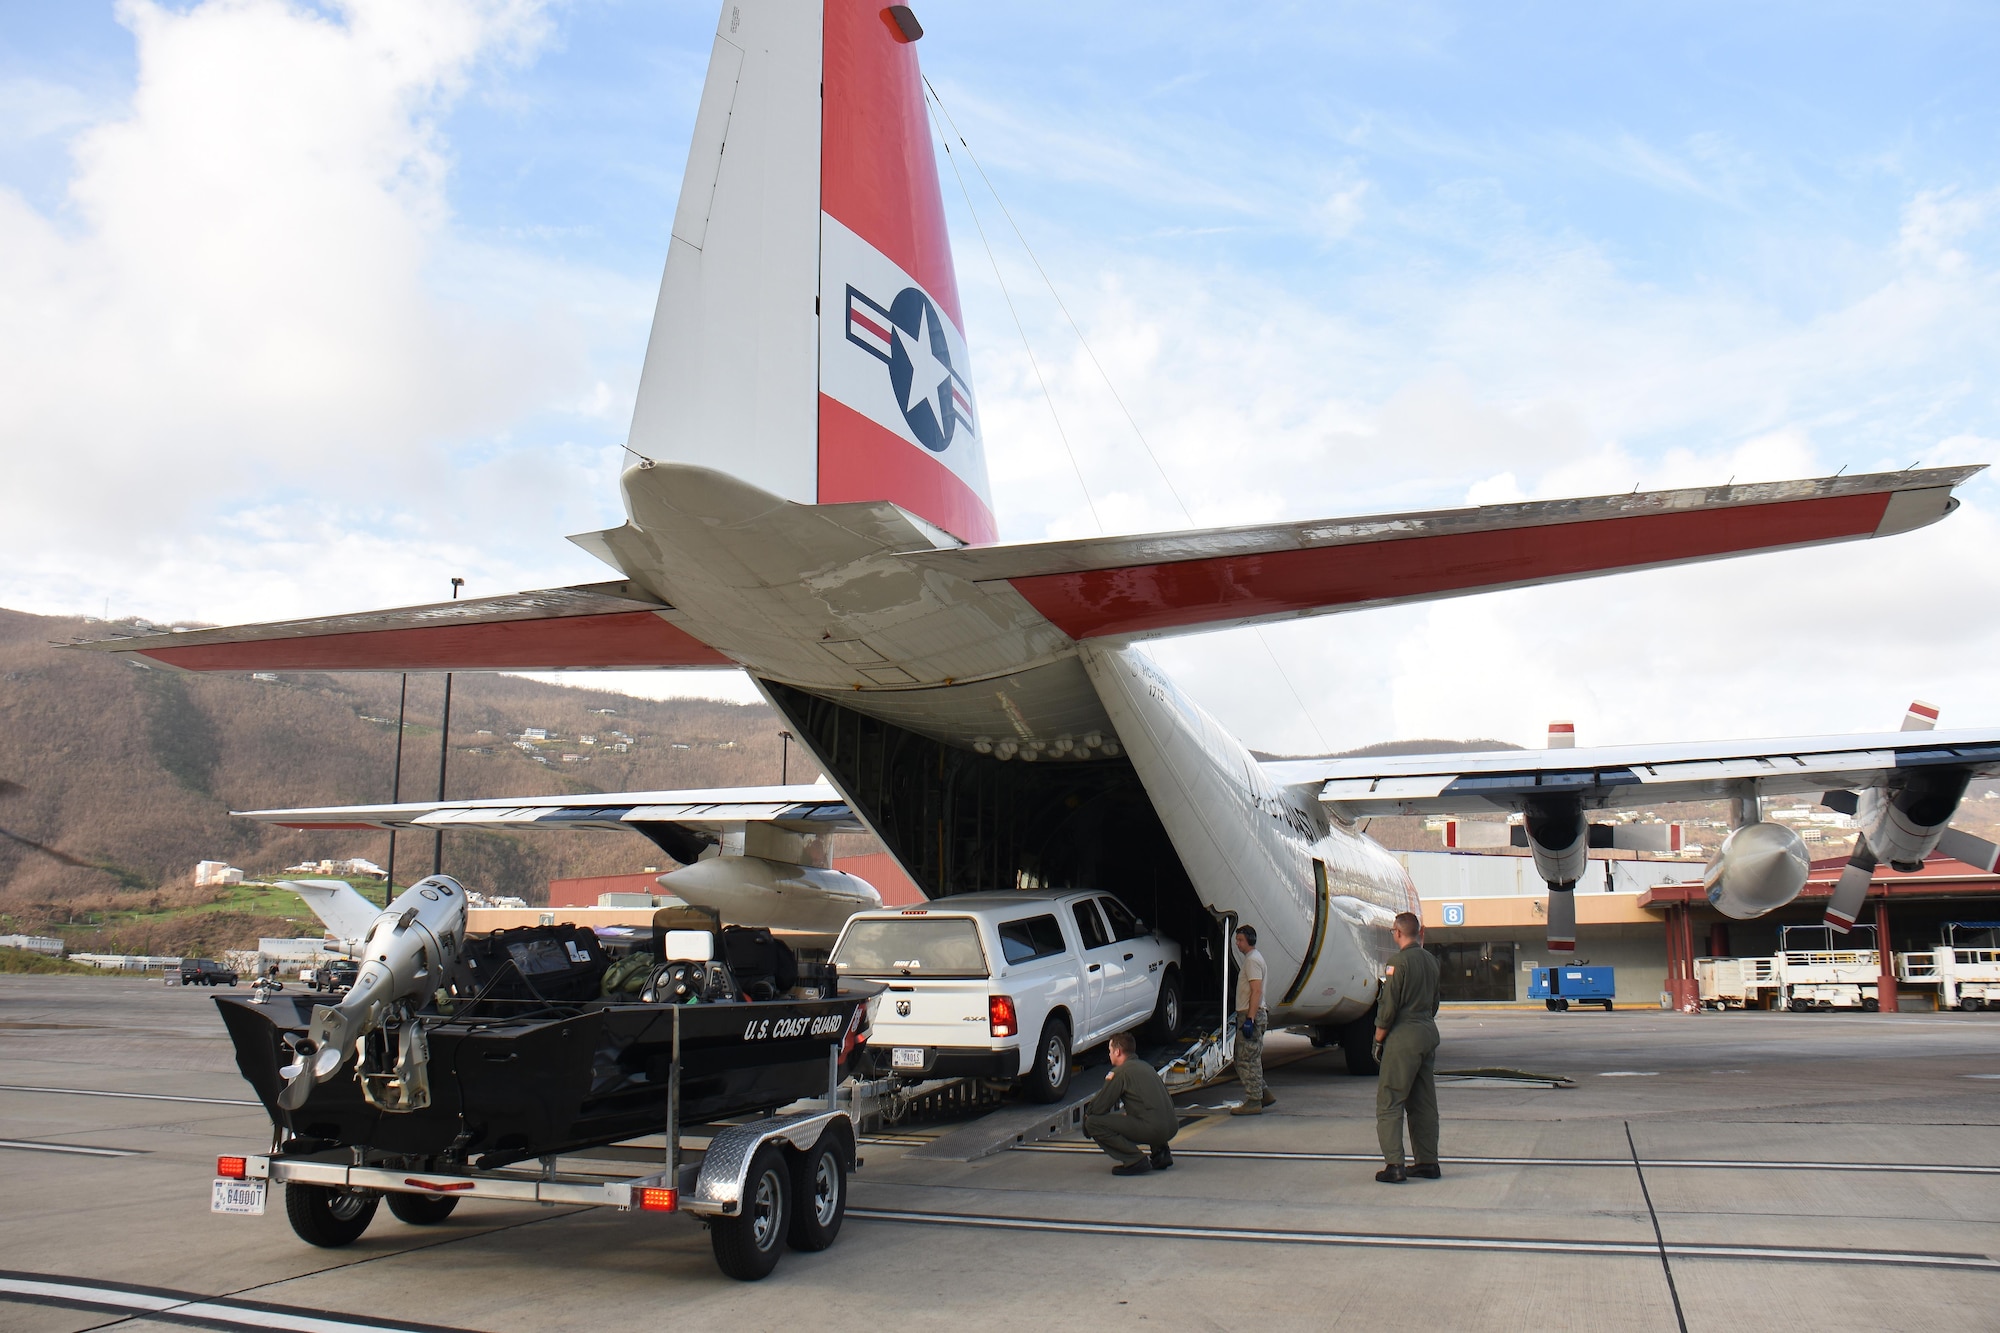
(878, 172)
(859, 460)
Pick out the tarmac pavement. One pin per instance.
(1746, 1128)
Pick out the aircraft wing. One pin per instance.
(802, 808)
(1624, 777)
(1167, 583)
(599, 626)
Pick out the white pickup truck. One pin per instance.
(1009, 985)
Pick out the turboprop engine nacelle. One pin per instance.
(1902, 825)
(405, 955)
(1760, 868)
(1559, 837)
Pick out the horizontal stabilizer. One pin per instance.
(601, 627)
(1167, 583)
(345, 913)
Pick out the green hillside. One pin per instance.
(115, 779)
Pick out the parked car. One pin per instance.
(337, 975)
(205, 972)
(1009, 985)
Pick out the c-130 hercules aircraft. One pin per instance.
(809, 503)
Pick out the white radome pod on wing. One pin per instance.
(1760, 868)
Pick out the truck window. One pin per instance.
(912, 946)
(1124, 926)
(1090, 927)
(1030, 938)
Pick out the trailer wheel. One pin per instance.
(327, 1215)
(1607, 1006)
(1869, 1006)
(1049, 1079)
(422, 1210)
(748, 1245)
(819, 1194)
(1970, 1005)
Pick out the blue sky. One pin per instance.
(316, 306)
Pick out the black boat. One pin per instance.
(512, 1081)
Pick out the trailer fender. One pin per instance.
(718, 1189)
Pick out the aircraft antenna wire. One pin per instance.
(1089, 351)
(1019, 328)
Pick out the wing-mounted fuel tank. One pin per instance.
(1760, 868)
(404, 958)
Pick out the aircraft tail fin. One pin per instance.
(808, 337)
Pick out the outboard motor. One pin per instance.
(404, 957)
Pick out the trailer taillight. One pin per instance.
(654, 1199)
(1000, 1010)
(232, 1168)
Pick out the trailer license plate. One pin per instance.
(245, 1197)
(907, 1057)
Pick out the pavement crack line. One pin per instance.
(188, 1308)
(1659, 1237)
(132, 1096)
(1627, 1249)
(230, 1310)
(1699, 1163)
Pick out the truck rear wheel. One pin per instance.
(748, 1245)
(422, 1210)
(1049, 1079)
(1165, 1023)
(327, 1215)
(819, 1193)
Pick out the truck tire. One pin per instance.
(328, 1216)
(819, 1192)
(1165, 1023)
(422, 1210)
(1048, 1080)
(748, 1245)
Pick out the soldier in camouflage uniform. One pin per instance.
(1252, 1018)
(1406, 1042)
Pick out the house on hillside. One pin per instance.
(207, 873)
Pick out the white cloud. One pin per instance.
(254, 370)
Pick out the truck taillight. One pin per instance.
(1000, 1009)
(654, 1199)
(232, 1168)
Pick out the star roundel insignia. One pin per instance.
(920, 370)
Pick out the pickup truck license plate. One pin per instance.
(907, 1057)
(245, 1197)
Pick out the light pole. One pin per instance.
(444, 750)
(784, 758)
(396, 789)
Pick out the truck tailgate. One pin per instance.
(931, 1013)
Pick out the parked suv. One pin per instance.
(1009, 985)
(205, 972)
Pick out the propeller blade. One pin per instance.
(1562, 918)
(1841, 802)
(1852, 890)
(1921, 717)
(1962, 846)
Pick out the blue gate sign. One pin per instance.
(1454, 914)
